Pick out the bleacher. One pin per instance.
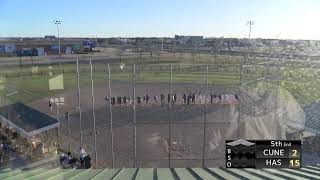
(305, 173)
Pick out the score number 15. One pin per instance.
(294, 163)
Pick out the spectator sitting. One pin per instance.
(66, 160)
(87, 162)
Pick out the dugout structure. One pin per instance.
(28, 131)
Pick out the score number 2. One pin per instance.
(294, 163)
(294, 152)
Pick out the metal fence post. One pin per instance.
(59, 135)
(68, 125)
(170, 116)
(111, 120)
(239, 100)
(134, 117)
(276, 113)
(205, 118)
(94, 117)
(79, 101)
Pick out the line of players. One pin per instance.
(187, 99)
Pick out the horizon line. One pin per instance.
(131, 37)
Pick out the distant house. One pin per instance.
(43, 46)
(1, 48)
(49, 37)
(89, 45)
(9, 48)
(189, 40)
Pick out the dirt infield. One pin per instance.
(188, 134)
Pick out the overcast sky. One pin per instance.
(284, 19)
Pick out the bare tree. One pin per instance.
(158, 56)
(193, 55)
(119, 54)
(140, 53)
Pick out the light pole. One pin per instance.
(58, 22)
(250, 23)
(162, 45)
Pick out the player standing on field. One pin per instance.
(162, 99)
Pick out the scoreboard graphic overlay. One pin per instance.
(263, 153)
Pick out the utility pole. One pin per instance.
(58, 22)
(162, 45)
(250, 23)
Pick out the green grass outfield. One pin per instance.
(32, 83)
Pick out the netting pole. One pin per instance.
(68, 125)
(276, 113)
(268, 75)
(69, 131)
(205, 118)
(239, 100)
(134, 117)
(59, 135)
(79, 102)
(256, 91)
(94, 117)
(111, 120)
(169, 153)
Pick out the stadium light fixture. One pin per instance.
(58, 22)
(250, 23)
